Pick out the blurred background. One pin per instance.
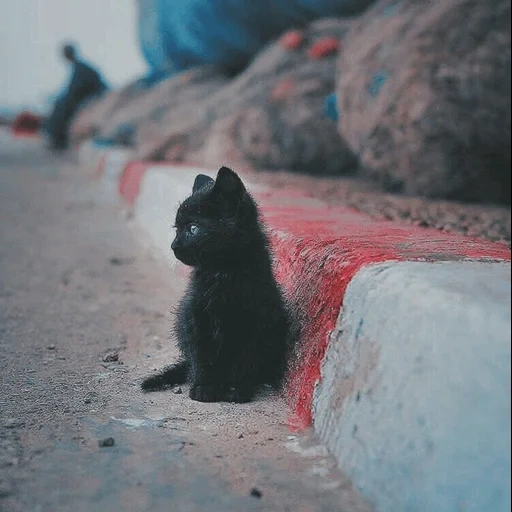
(32, 31)
(405, 97)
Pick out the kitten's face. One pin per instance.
(215, 222)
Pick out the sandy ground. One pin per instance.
(84, 314)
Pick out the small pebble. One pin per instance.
(51, 347)
(107, 443)
(256, 493)
(111, 357)
(177, 390)
(5, 489)
(240, 436)
(12, 423)
(120, 261)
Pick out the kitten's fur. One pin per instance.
(233, 326)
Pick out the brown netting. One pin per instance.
(271, 116)
(424, 97)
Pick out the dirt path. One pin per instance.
(84, 314)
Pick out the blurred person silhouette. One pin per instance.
(85, 84)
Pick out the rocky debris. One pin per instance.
(107, 442)
(256, 493)
(6, 488)
(12, 423)
(118, 261)
(91, 397)
(111, 357)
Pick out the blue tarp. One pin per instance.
(179, 34)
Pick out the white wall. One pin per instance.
(31, 32)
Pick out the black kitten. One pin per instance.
(233, 326)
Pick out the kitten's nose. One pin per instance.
(175, 244)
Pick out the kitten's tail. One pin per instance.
(168, 377)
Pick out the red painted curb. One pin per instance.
(318, 250)
(132, 175)
(131, 178)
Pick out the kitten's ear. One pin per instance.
(201, 181)
(228, 183)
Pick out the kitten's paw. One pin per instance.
(239, 395)
(206, 393)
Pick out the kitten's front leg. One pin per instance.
(210, 388)
(207, 379)
(214, 393)
(240, 394)
(206, 393)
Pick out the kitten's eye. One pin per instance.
(193, 229)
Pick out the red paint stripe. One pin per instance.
(131, 178)
(318, 250)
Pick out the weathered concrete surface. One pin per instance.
(414, 399)
(74, 286)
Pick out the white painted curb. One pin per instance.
(114, 163)
(155, 208)
(415, 396)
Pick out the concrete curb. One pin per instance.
(418, 370)
(409, 386)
